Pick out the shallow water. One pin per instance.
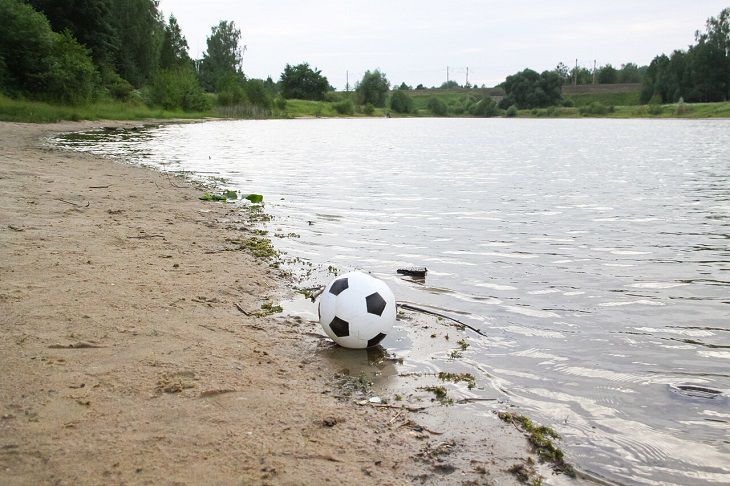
(594, 254)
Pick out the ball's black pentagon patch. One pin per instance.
(376, 340)
(339, 327)
(339, 286)
(376, 304)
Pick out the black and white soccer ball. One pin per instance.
(357, 310)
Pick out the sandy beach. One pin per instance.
(126, 359)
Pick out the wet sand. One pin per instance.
(125, 358)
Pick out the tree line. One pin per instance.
(88, 50)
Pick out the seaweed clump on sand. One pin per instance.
(542, 439)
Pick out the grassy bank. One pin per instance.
(676, 110)
(40, 112)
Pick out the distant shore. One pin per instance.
(132, 351)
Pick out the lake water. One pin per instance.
(593, 254)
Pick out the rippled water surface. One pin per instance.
(594, 254)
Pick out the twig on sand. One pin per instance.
(316, 294)
(411, 307)
(79, 345)
(100, 187)
(241, 310)
(144, 237)
(469, 400)
(387, 405)
(321, 457)
(88, 203)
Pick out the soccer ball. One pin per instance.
(357, 310)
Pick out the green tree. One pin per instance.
(257, 94)
(373, 88)
(607, 75)
(437, 106)
(451, 84)
(528, 89)
(303, 82)
(177, 88)
(140, 30)
(631, 73)
(404, 86)
(174, 49)
(90, 22)
(486, 107)
(401, 102)
(39, 62)
(223, 56)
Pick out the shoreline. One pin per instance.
(128, 361)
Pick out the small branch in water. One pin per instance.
(433, 313)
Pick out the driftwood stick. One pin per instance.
(411, 307)
(88, 203)
(241, 310)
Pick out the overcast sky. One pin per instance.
(414, 41)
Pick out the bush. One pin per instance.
(401, 102)
(485, 108)
(506, 102)
(117, 87)
(511, 111)
(257, 94)
(568, 103)
(177, 88)
(231, 90)
(655, 109)
(71, 76)
(280, 103)
(437, 106)
(368, 109)
(344, 107)
(373, 88)
(41, 63)
(595, 108)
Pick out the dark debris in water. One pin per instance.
(696, 391)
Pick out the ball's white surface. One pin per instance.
(351, 306)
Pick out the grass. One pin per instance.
(468, 378)
(625, 105)
(541, 437)
(630, 98)
(18, 110)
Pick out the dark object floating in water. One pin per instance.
(419, 272)
(696, 391)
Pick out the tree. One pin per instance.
(174, 49)
(373, 88)
(486, 108)
(700, 74)
(437, 106)
(223, 56)
(631, 73)
(607, 75)
(90, 22)
(528, 89)
(563, 71)
(39, 62)
(303, 82)
(401, 102)
(451, 84)
(140, 29)
(404, 86)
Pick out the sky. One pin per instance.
(415, 41)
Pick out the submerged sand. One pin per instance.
(125, 359)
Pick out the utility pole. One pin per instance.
(467, 77)
(447, 75)
(575, 74)
(347, 81)
(594, 71)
